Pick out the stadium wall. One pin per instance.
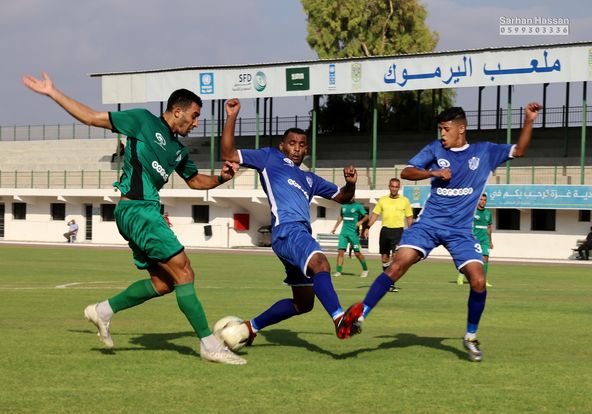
(224, 204)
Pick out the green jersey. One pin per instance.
(351, 214)
(152, 153)
(481, 221)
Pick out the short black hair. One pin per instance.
(452, 114)
(183, 98)
(294, 131)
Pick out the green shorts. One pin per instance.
(147, 233)
(484, 246)
(351, 238)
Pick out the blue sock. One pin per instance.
(323, 289)
(476, 306)
(278, 312)
(378, 289)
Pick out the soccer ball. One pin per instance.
(232, 332)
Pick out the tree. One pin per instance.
(364, 28)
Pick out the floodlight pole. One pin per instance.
(374, 136)
(509, 130)
(583, 144)
(212, 137)
(257, 132)
(315, 108)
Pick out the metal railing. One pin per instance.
(244, 126)
(552, 117)
(246, 180)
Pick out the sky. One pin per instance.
(70, 39)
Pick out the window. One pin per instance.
(542, 220)
(321, 212)
(508, 219)
(19, 211)
(200, 214)
(108, 212)
(58, 211)
(584, 215)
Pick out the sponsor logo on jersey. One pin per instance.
(474, 163)
(160, 140)
(454, 192)
(289, 162)
(179, 156)
(298, 186)
(158, 168)
(443, 163)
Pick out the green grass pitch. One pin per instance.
(535, 334)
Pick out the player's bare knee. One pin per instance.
(319, 263)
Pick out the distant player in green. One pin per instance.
(153, 152)
(352, 215)
(482, 228)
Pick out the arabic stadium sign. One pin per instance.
(520, 196)
(471, 68)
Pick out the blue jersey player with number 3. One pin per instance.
(290, 192)
(459, 172)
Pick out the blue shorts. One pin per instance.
(294, 246)
(461, 244)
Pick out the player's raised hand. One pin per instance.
(42, 86)
(531, 111)
(350, 174)
(232, 107)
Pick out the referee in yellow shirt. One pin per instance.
(395, 209)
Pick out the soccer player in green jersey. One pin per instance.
(152, 153)
(353, 215)
(482, 228)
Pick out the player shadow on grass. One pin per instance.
(402, 340)
(148, 342)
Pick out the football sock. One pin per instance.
(323, 289)
(364, 265)
(476, 306)
(278, 312)
(485, 267)
(191, 307)
(378, 289)
(339, 268)
(135, 294)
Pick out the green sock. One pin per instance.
(135, 294)
(485, 267)
(364, 265)
(191, 307)
(339, 268)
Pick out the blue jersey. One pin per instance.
(451, 203)
(289, 189)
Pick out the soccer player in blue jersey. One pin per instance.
(459, 172)
(290, 192)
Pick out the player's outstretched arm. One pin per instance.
(206, 182)
(227, 143)
(78, 110)
(531, 111)
(347, 192)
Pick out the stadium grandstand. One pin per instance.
(52, 173)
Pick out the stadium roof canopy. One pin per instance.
(520, 65)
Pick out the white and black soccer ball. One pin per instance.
(232, 332)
